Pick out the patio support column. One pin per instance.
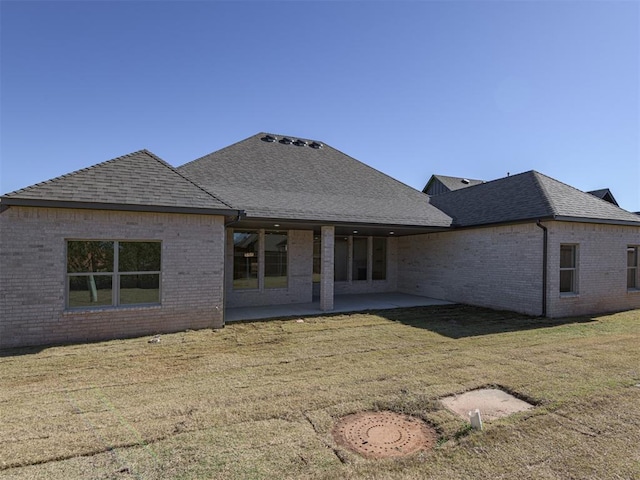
(326, 270)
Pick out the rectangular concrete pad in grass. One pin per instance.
(492, 403)
(342, 304)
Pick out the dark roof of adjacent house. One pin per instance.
(137, 181)
(605, 194)
(527, 196)
(450, 183)
(270, 176)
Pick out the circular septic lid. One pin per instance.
(383, 434)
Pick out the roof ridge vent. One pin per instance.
(269, 138)
(315, 145)
(465, 181)
(300, 143)
(286, 141)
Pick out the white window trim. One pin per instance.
(575, 291)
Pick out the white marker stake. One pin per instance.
(475, 419)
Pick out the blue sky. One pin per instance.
(463, 88)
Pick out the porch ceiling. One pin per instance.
(363, 229)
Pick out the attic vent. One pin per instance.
(315, 145)
(268, 138)
(300, 143)
(286, 141)
(465, 181)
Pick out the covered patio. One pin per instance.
(342, 303)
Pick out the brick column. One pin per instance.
(326, 269)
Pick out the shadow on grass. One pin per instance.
(18, 351)
(460, 321)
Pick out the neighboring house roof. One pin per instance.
(137, 181)
(605, 194)
(527, 196)
(303, 180)
(438, 184)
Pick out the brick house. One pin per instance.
(134, 246)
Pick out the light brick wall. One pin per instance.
(33, 274)
(299, 272)
(497, 267)
(602, 268)
(501, 267)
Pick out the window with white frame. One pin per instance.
(111, 273)
(632, 267)
(568, 268)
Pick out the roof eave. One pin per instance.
(6, 202)
(607, 221)
(457, 226)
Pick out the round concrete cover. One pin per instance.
(383, 434)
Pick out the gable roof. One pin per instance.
(450, 183)
(527, 196)
(605, 194)
(277, 179)
(137, 181)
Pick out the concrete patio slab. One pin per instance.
(342, 304)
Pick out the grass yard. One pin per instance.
(259, 400)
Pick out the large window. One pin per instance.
(360, 259)
(253, 247)
(632, 268)
(379, 259)
(341, 259)
(568, 268)
(275, 260)
(245, 259)
(113, 273)
(317, 259)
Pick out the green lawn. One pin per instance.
(259, 400)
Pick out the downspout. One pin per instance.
(240, 216)
(544, 267)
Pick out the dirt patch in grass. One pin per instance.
(384, 434)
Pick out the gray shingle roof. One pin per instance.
(604, 194)
(453, 183)
(527, 196)
(285, 181)
(139, 180)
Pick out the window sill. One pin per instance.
(86, 310)
(633, 291)
(569, 295)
